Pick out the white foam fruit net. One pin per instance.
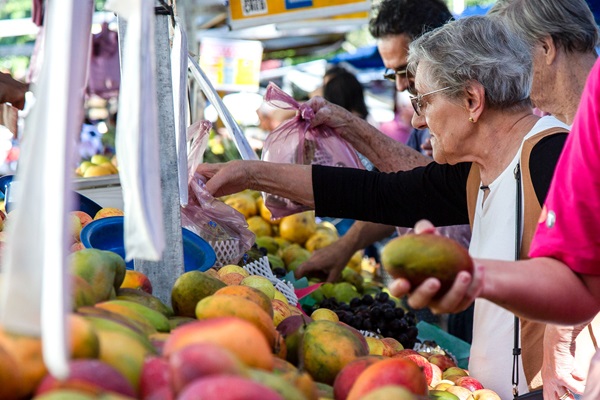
(227, 251)
(261, 267)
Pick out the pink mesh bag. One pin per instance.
(295, 142)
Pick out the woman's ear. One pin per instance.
(474, 100)
(548, 48)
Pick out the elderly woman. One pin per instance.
(472, 82)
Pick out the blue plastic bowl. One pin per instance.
(107, 234)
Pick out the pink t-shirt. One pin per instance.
(570, 221)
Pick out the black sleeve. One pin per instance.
(435, 192)
(542, 163)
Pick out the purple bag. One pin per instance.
(295, 142)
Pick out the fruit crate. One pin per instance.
(455, 346)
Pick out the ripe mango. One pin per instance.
(418, 257)
(189, 289)
(101, 269)
(327, 347)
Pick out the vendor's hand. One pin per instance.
(559, 372)
(461, 295)
(225, 178)
(327, 262)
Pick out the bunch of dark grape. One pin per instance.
(377, 314)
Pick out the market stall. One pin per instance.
(158, 290)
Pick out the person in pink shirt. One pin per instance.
(560, 284)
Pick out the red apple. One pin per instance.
(393, 346)
(84, 217)
(420, 361)
(347, 376)
(469, 382)
(441, 360)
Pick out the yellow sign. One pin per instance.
(246, 13)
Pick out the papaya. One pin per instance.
(418, 257)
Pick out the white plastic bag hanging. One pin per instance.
(35, 285)
(137, 141)
(179, 67)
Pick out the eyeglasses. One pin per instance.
(390, 73)
(416, 101)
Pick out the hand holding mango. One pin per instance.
(416, 257)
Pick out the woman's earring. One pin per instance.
(471, 120)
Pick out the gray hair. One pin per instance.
(478, 49)
(570, 23)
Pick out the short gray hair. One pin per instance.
(478, 49)
(570, 23)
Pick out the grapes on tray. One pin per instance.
(378, 315)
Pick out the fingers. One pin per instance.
(399, 287)
(424, 226)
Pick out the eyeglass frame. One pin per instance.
(416, 100)
(391, 76)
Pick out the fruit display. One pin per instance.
(97, 165)
(228, 334)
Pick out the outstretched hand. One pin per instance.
(328, 261)
(463, 292)
(225, 178)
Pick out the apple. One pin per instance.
(485, 394)
(442, 395)
(436, 375)
(469, 382)
(460, 392)
(420, 361)
(441, 360)
(393, 346)
(443, 384)
(376, 346)
(453, 373)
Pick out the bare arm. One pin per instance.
(387, 154)
(542, 289)
(332, 259)
(235, 176)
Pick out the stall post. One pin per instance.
(163, 273)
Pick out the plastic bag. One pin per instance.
(295, 142)
(220, 225)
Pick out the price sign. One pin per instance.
(246, 13)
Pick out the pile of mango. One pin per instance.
(225, 335)
(97, 165)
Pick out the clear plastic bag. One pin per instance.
(222, 226)
(295, 142)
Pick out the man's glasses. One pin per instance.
(416, 101)
(390, 74)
